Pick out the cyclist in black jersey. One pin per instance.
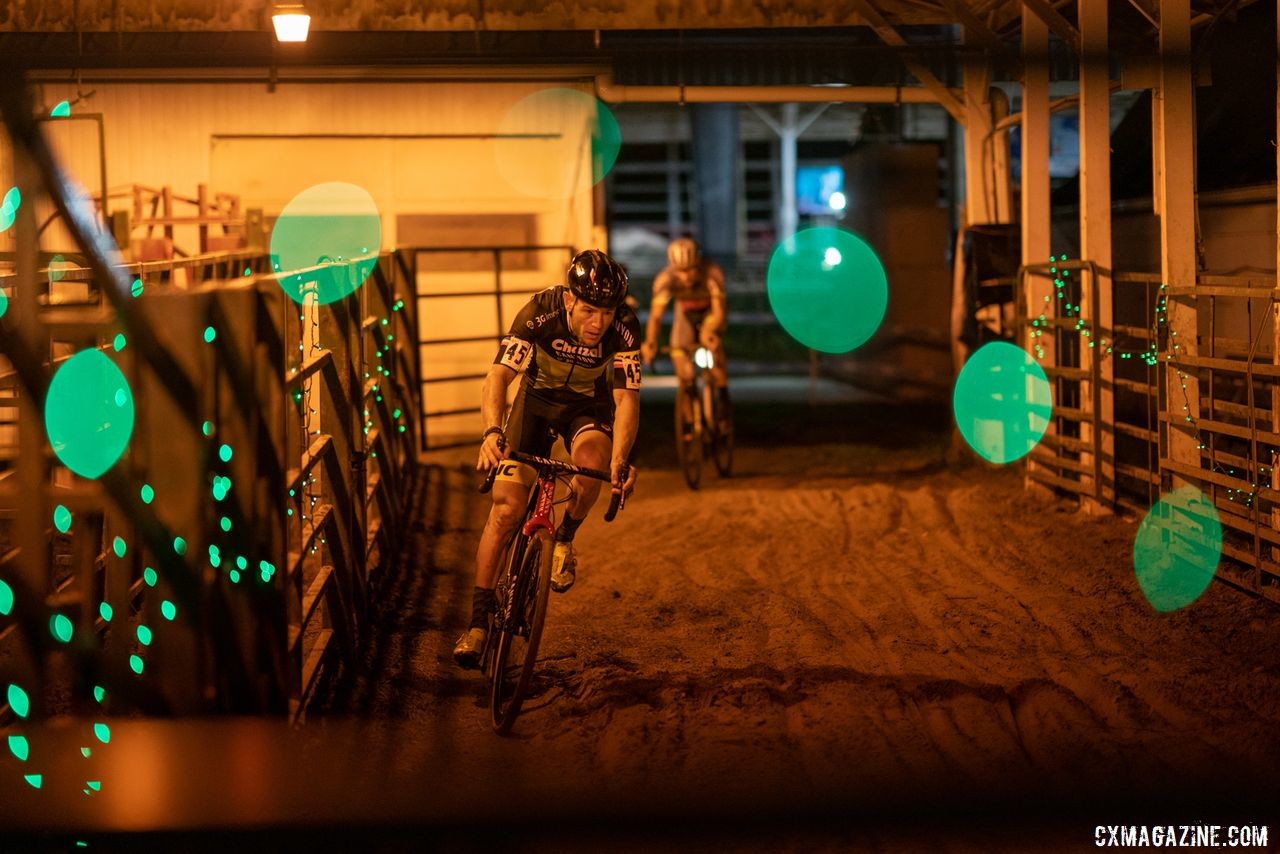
(578, 349)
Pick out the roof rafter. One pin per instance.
(890, 36)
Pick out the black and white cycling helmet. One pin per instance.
(595, 277)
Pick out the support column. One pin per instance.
(1037, 289)
(1174, 146)
(1095, 245)
(1275, 308)
(788, 134)
(788, 128)
(675, 199)
(33, 510)
(979, 202)
(715, 162)
(1001, 185)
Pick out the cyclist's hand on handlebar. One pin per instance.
(648, 350)
(709, 338)
(624, 476)
(493, 450)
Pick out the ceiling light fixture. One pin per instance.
(291, 22)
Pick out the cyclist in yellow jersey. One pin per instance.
(576, 347)
(696, 286)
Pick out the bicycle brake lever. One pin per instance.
(615, 504)
(488, 480)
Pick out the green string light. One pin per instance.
(135, 664)
(144, 635)
(1151, 357)
(18, 701)
(168, 610)
(6, 598)
(149, 576)
(119, 546)
(19, 747)
(61, 627)
(105, 611)
(209, 334)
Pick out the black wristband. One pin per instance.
(491, 430)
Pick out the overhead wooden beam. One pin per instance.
(977, 32)
(890, 36)
(1149, 9)
(1044, 10)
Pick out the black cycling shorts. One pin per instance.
(533, 426)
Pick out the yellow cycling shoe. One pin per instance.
(564, 565)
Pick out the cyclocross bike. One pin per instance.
(524, 584)
(710, 432)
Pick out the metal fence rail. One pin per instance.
(415, 270)
(265, 479)
(1237, 427)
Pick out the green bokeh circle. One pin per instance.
(828, 289)
(58, 267)
(328, 224)
(1177, 549)
(89, 413)
(530, 149)
(1002, 402)
(9, 209)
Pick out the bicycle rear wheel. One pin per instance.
(517, 642)
(689, 449)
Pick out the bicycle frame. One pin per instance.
(540, 517)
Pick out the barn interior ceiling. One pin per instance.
(653, 42)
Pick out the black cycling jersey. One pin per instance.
(558, 370)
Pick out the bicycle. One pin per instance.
(705, 437)
(524, 585)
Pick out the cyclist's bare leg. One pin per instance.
(591, 449)
(684, 371)
(720, 368)
(509, 502)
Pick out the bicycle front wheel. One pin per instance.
(689, 446)
(719, 429)
(517, 643)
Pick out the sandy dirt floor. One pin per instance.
(847, 635)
